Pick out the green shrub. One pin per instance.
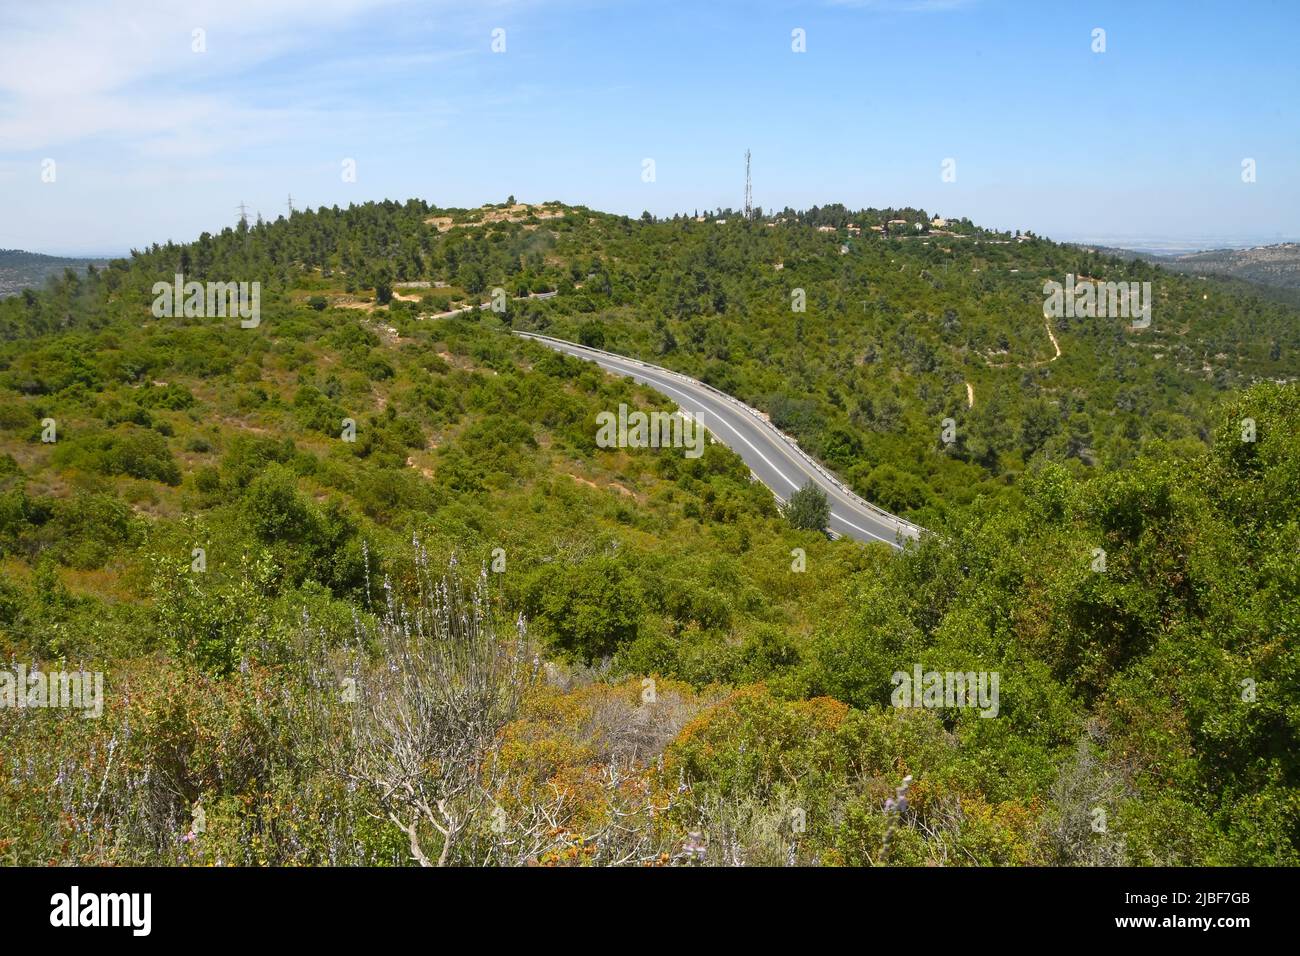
(127, 450)
(808, 508)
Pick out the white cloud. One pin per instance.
(75, 70)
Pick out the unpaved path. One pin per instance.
(1056, 345)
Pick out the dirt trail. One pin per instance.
(970, 395)
(1047, 324)
(1056, 345)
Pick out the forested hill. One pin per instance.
(24, 270)
(1273, 270)
(907, 321)
(184, 507)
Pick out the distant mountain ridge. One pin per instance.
(24, 270)
(1276, 265)
(1271, 265)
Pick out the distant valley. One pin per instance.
(25, 270)
(1274, 266)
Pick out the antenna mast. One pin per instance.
(749, 190)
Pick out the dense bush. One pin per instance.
(127, 450)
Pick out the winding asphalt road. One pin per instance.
(774, 458)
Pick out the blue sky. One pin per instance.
(152, 141)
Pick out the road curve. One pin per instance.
(773, 457)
